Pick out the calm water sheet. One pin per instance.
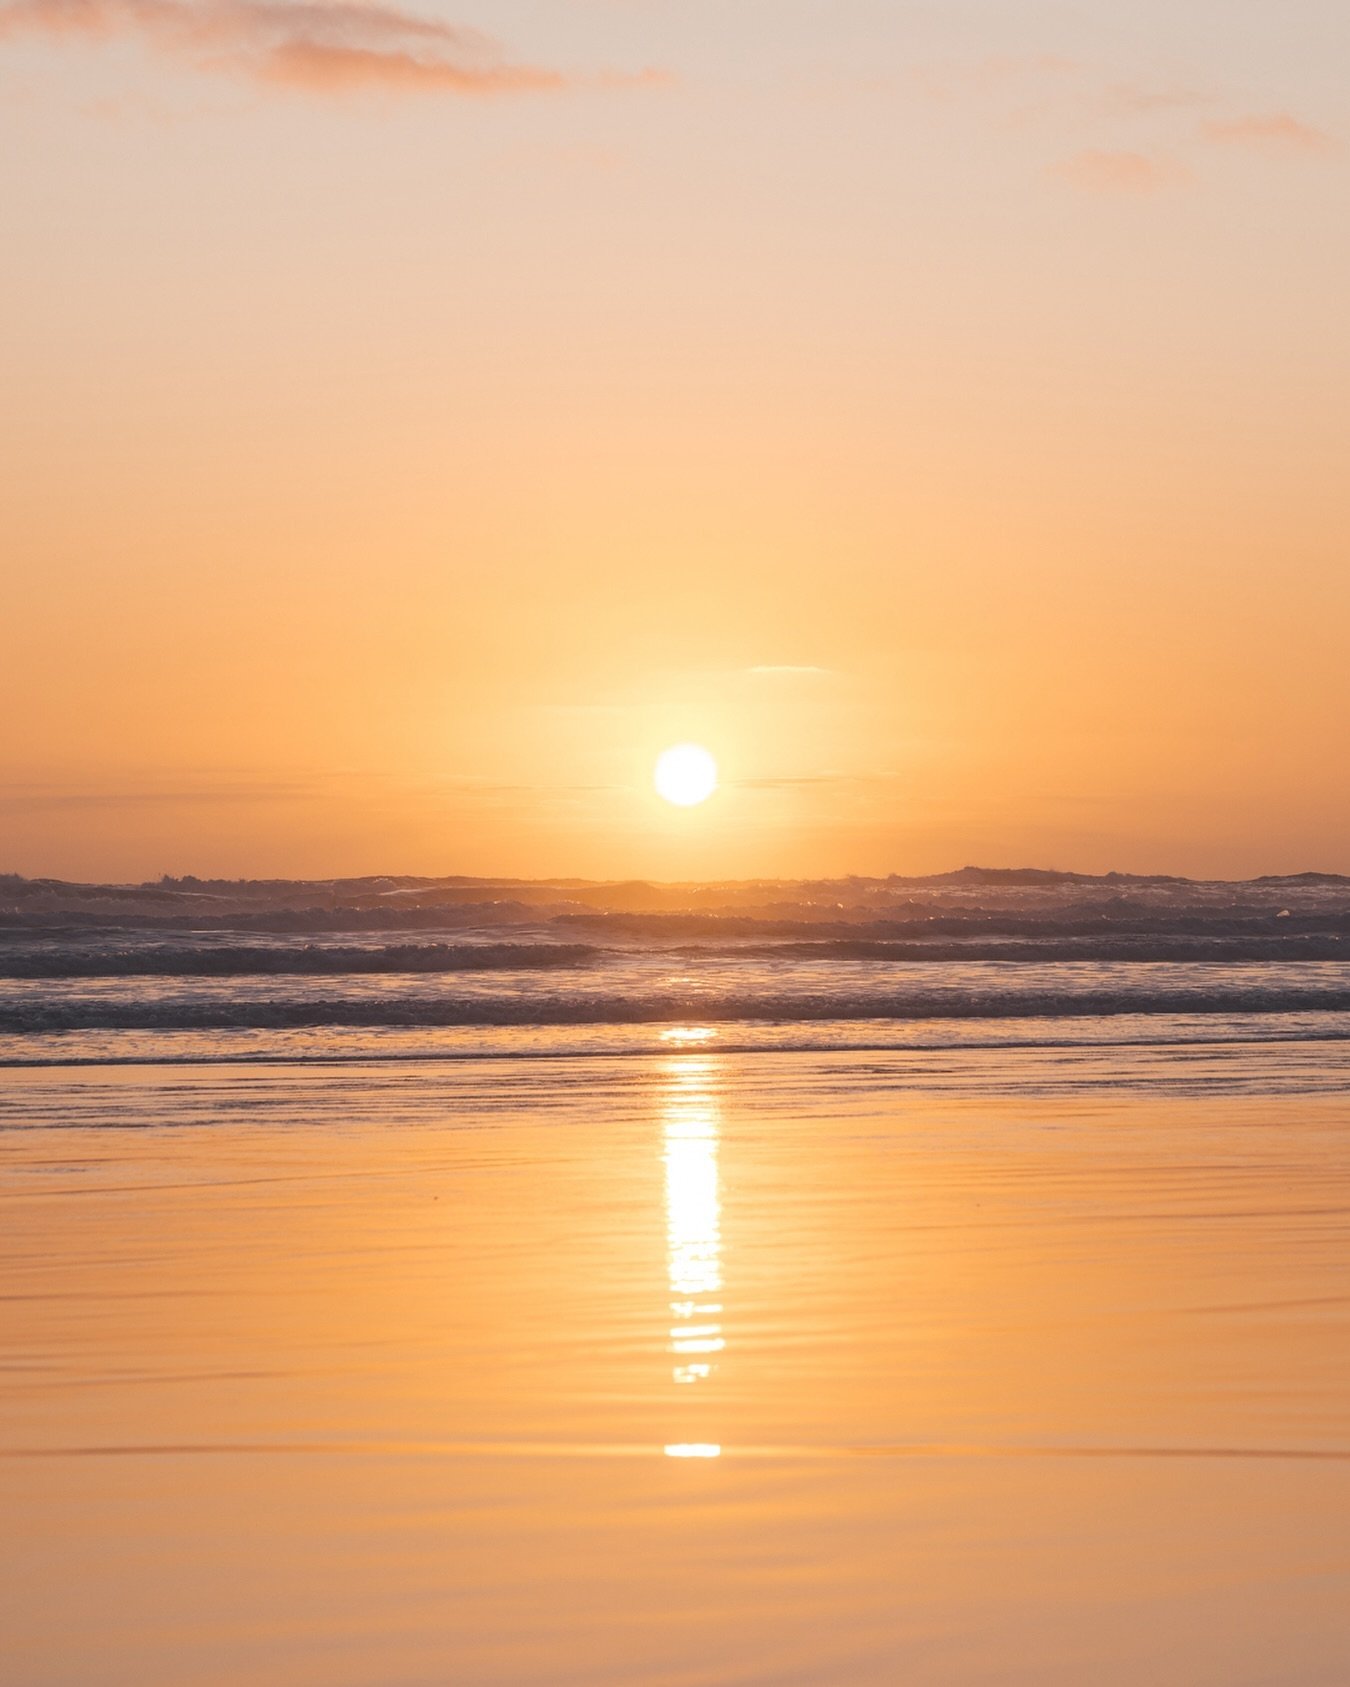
(986, 1366)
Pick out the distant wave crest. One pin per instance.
(313, 960)
(673, 1007)
(243, 960)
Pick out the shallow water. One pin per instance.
(654, 988)
(949, 1366)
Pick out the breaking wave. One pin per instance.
(675, 1006)
(243, 961)
(499, 963)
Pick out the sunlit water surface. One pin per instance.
(967, 1366)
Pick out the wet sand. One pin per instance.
(698, 1369)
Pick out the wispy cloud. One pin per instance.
(1276, 130)
(1098, 171)
(42, 796)
(1143, 99)
(1134, 131)
(992, 77)
(798, 781)
(321, 46)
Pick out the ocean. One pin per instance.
(417, 969)
(936, 1281)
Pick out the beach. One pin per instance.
(949, 1366)
(674, 877)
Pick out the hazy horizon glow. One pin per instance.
(417, 420)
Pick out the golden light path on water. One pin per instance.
(692, 1123)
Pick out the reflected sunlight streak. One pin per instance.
(693, 1218)
(689, 1036)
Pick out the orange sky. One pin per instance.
(414, 420)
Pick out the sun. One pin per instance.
(685, 774)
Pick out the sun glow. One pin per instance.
(685, 774)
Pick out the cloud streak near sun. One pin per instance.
(1100, 171)
(319, 46)
(1277, 129)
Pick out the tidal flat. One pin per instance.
(995, 1366)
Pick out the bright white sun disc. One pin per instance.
(685, 774)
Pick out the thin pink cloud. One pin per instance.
(1278, 130)
(1097, 171)
(332, 67)
(320, 46)
(1138, 99)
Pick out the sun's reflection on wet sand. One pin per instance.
(693, 1217)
